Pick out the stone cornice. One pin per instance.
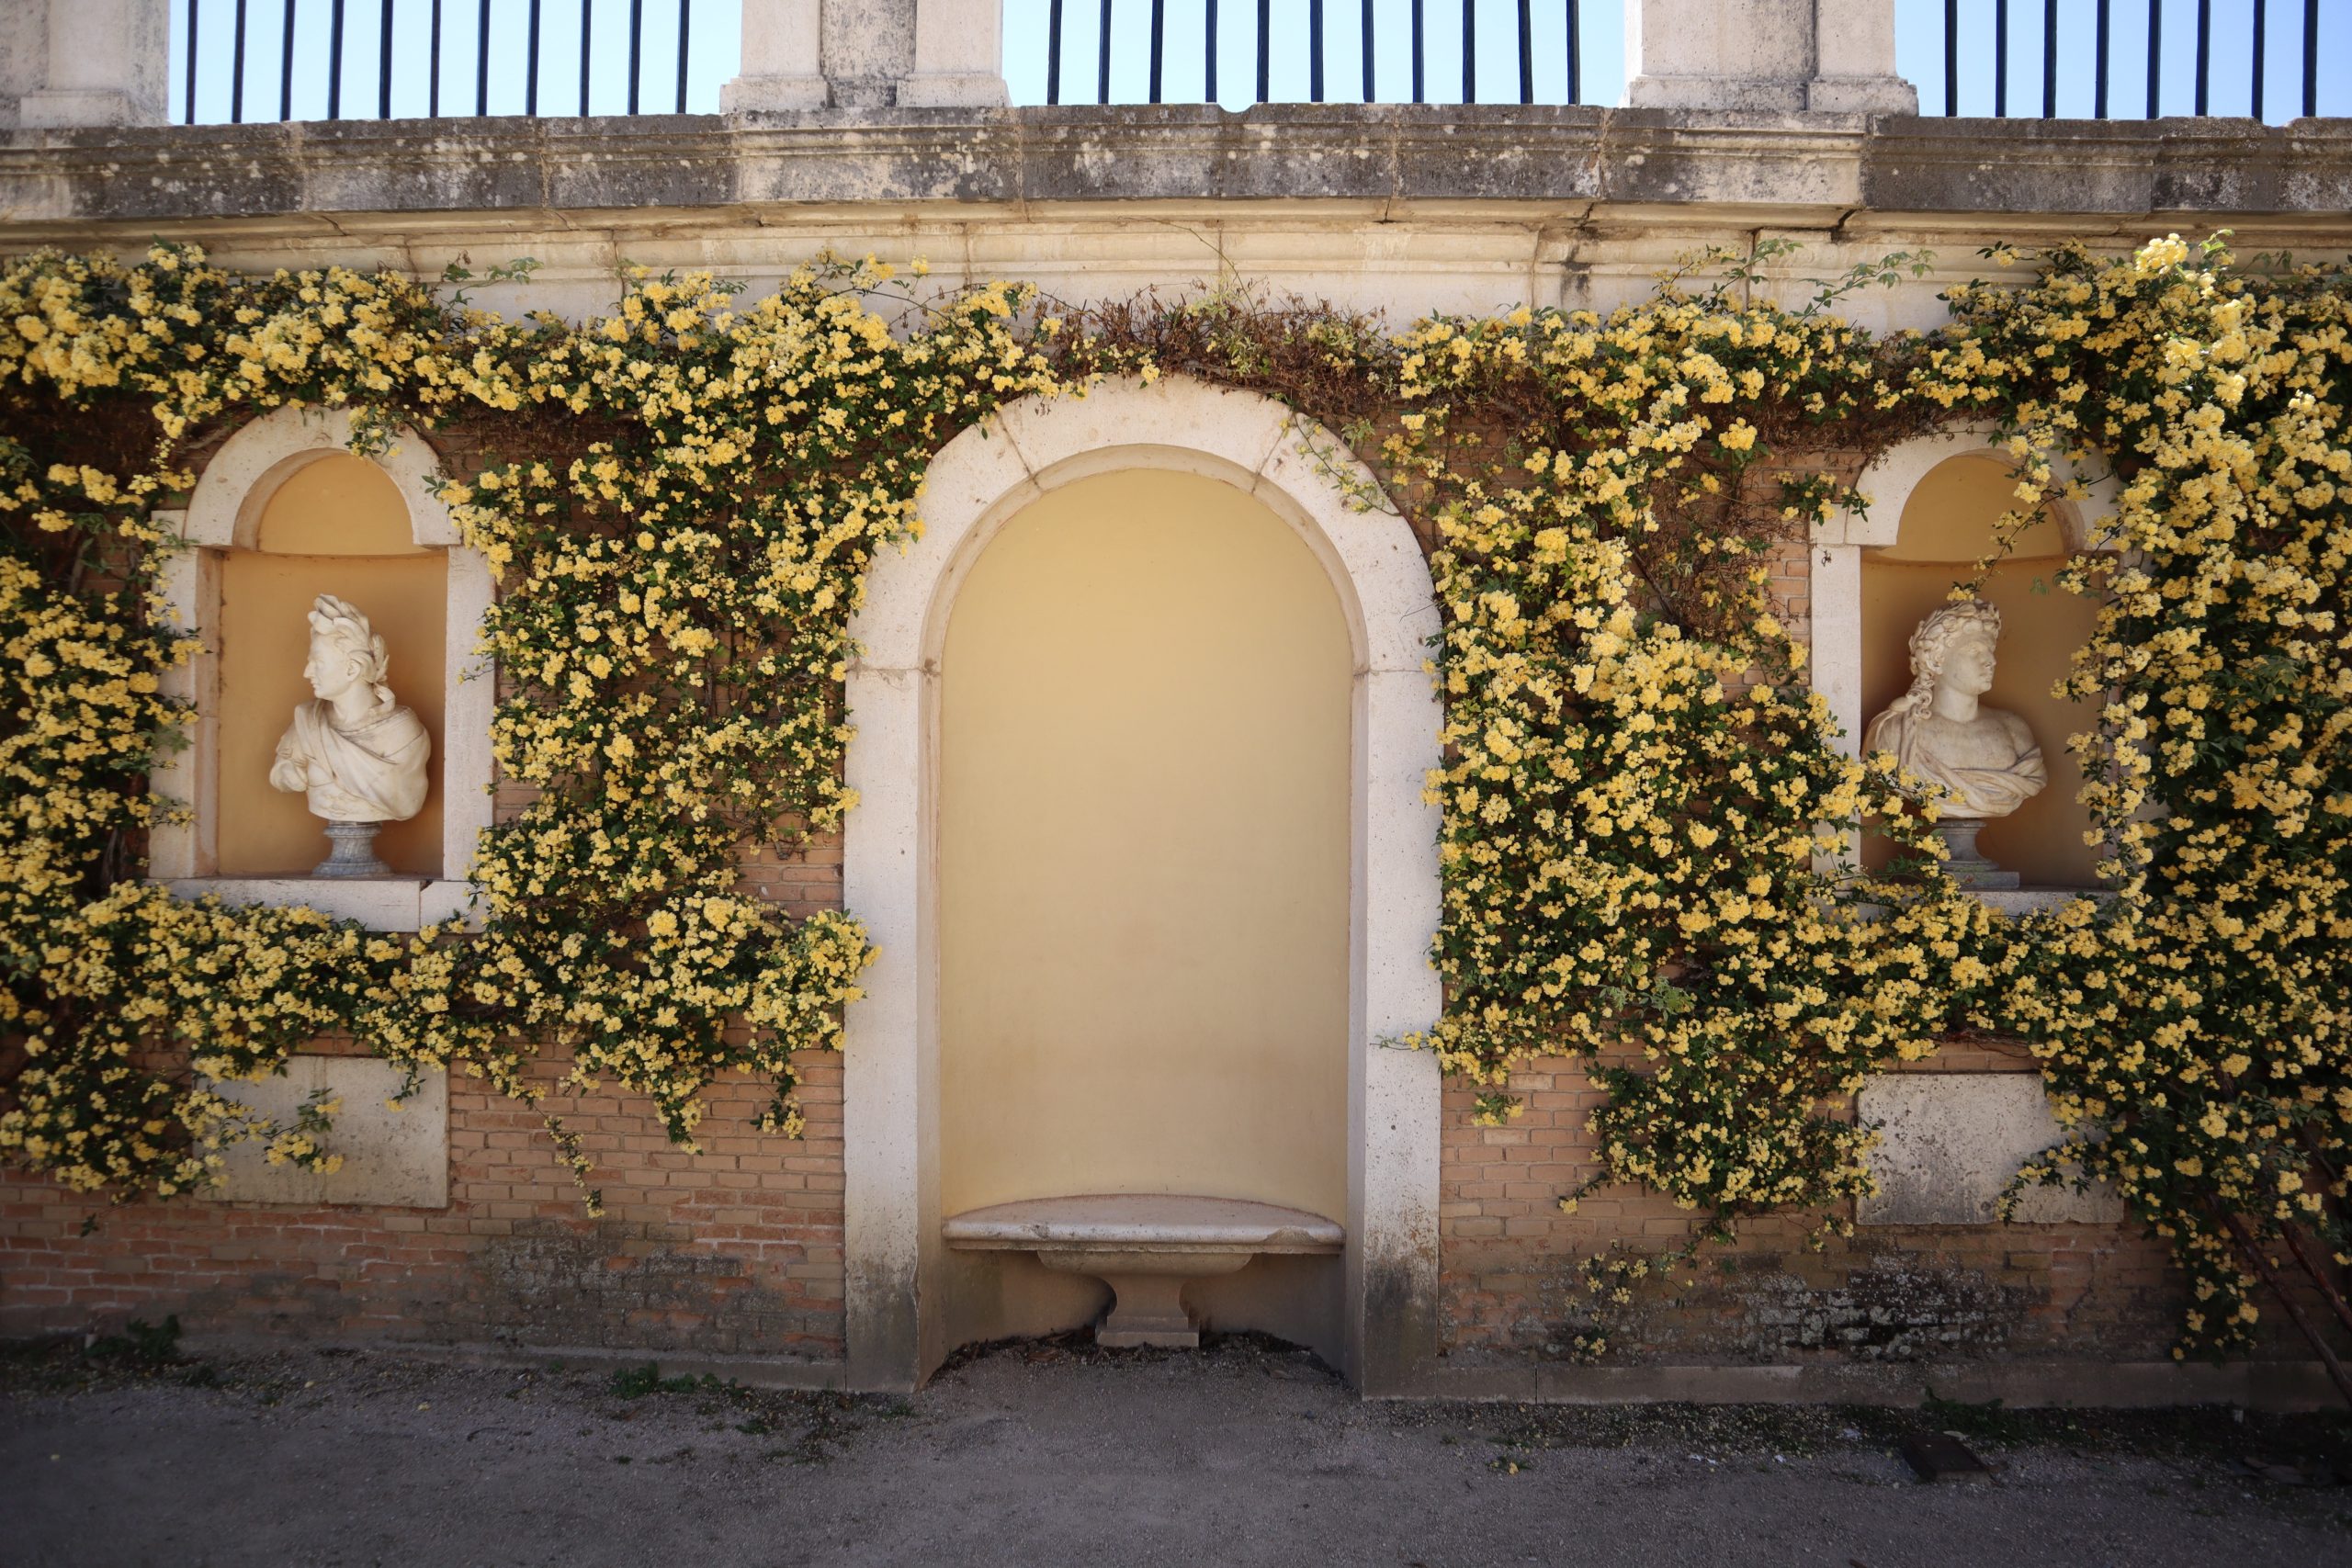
(1797, 170)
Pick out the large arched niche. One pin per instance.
(908, 1296)
(1936, 507)
(283, 511)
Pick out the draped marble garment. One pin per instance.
(373, 772)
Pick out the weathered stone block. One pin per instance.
(1949, 1143)
(392, 1156)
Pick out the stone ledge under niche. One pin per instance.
(379, 902)
(2035, 900)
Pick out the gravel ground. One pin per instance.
(1057, 1453)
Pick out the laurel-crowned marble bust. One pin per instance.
(1985, 757)
(355, 753)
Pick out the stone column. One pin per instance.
(83, 63)
(802, 54)
(782, 68)
(1773, 56)
(959, 55)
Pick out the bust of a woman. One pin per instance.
(354, 753)
(1986, 758)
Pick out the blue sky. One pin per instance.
(716, 24)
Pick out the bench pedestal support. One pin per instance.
(1147, 1290)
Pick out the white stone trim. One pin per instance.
(224, 512)
(894, 1251)
(1890, 478)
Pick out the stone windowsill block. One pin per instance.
(1144, 1246)
(1949, 1143)
(394, 1153)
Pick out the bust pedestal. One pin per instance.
(1963, 863)
(352, 851)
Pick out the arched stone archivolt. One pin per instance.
(223, 530)
(894, 1251)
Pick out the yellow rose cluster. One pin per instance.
(676, 581)
(2197, 1039)
(1644, 806)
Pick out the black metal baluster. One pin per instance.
(1420, 97)
(188, 105)
(1575, 53)
(1208, 53)
(531, 66)
(2048, 59)
(1314, 51)
(2098, 82)
(685, 36)
(1469, 52)
(1369, 58)
(482, 63)
(587, 34)
(237, 69)
(1952, 57)
(1053, 52)
(433, 70)
(1265, 39)
(384, 61)
(1526, 53)
(2000, 59)
(1158, 31)
(284, 63)
(2156, 53)
(334, 61)
(636, 51)
(2311, 57)
(2204, 52)
(1103, 59)
(2261, 41)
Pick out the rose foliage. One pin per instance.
(1647, 818)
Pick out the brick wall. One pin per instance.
(738, 1249)
(1895, 1293)
(735, 1250)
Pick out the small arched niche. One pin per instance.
(284, 513)
(1144, 884)
(1948, 521)
(335, 525)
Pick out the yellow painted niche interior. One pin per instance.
(1143, 833)
(1947, 523)
(335, 525)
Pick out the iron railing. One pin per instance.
(2127, 44)
(1354, 50)
(275, 60)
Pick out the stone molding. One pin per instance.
(894, 1251)
(1386, 161)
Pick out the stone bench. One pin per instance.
(1146, 1246)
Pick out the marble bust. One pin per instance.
(355, 754)
(1984, 757)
